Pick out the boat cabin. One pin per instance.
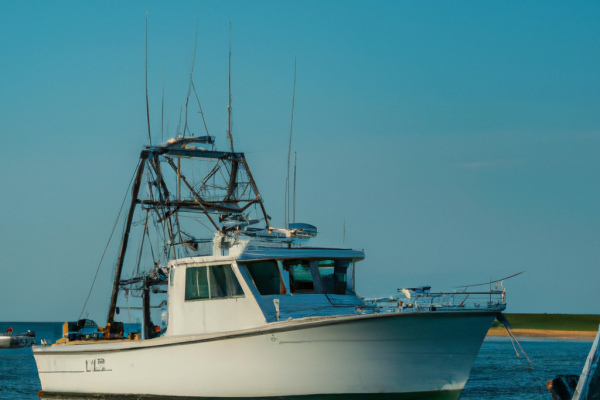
(254, 286)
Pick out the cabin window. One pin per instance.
(213, 282)
(301, 279)
(266, 277)
(324, 276)
(334, 275)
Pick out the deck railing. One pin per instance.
(438, 301)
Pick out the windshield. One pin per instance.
(317, 276)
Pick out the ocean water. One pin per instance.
(18, 372)
(497, 373)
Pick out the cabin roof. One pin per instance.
(251, 253)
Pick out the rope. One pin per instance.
(109, 238)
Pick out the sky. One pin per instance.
(456, 141)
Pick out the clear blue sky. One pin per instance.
(459, 140)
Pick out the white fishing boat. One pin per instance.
(255, 311)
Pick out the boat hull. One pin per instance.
(410, 356)
(438, 395)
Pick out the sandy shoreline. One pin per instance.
(542, 333)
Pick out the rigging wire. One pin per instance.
(198, 221)
(109, 238)
(150, 240)
(165, 210)
(139, 259)
(149, 172)
(200, 107)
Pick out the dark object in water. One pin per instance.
(11, 340)
(585, 387)
(588, 387)
(563, 387)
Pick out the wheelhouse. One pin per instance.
(259, 286)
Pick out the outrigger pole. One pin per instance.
(229, 106)
(124, 242)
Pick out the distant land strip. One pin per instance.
(557, 326)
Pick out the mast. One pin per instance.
(147, 105)
(287, 179)
(125, 241)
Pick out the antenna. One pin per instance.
(147, 106)
(229, 107)
(287, 180)
(179, 124)
(344, 240)
(295, 159)
(187, 100)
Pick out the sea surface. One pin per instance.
(497, 374)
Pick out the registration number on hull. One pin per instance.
(96, 365)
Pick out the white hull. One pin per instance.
(361, 354)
